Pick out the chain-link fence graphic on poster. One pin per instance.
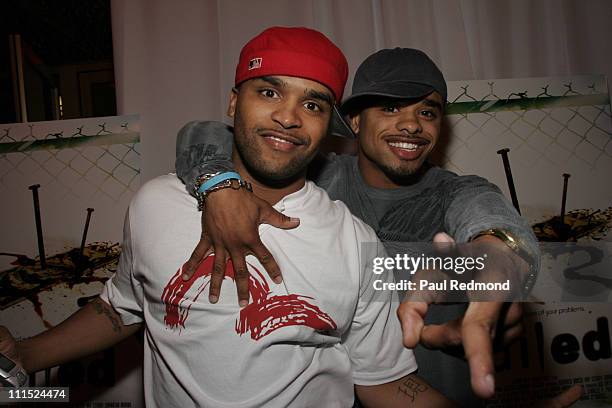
(90, 160)
(559, 124)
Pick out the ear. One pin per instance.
(233, 98)
(354, 122)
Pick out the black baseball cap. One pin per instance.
(404, 73)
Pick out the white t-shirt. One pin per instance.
(303, 343)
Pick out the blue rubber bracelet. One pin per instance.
(218, 179)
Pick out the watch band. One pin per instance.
(15, 378)
(516, 246)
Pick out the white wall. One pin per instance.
(174, 61)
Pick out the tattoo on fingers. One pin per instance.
(265, 259)
(241, 272)
(218, 269)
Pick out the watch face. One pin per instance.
(6, 364)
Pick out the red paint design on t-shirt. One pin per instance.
(265, 314)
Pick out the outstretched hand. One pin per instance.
(230, 224)
(475, 331)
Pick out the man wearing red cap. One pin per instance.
(303, 342)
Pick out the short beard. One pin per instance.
(252, 160)
(401, 177)
(407, 178)
(258, 170)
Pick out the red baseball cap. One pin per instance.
(294, 51)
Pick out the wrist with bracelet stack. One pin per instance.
(206, 184)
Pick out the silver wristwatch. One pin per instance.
(11, 373)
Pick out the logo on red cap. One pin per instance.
(255, 63)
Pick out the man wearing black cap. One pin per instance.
(396, 110)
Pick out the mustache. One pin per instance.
(292, 136)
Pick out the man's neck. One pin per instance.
(269, 191)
